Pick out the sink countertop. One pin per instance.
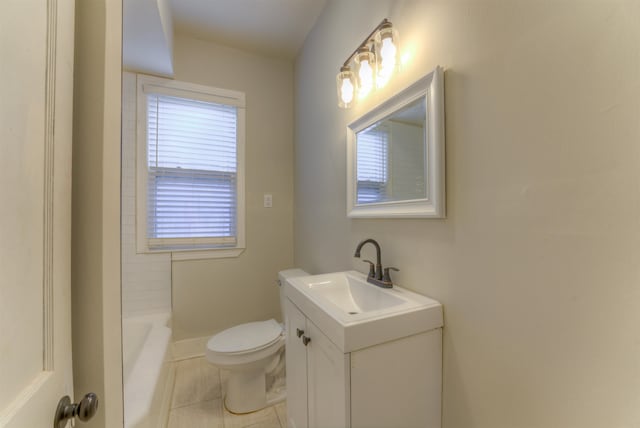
(325, 300)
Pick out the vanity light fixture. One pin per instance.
(374, 62)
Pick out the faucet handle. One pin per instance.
(372, 269)
(387, 277)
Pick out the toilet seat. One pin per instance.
(246, 338)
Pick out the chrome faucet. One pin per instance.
(376, 275)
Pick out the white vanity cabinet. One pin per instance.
(317, 376)
(391, 384)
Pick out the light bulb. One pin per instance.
(387, 64)
(346, 91)
(345, 84)
(388, 49)
(365, 74)
(364, 62)
(386, 42)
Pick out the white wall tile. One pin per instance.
(146, 278)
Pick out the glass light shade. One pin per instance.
(386, 46)
(346, 85)
(365, 63)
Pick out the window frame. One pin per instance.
(201, 247)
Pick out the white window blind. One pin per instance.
(372, 165)
(192, 172)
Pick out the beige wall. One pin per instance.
(211, 295)
(537, 263)
(95, 264)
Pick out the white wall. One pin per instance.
(537, 261)
(146, 278)
(147, 36)
(95, 252)
(211, 295)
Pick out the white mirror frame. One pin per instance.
(431, 87)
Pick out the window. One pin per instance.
(190, 167)
(372, 165)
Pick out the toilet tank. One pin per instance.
(283, 275)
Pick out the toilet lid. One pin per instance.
(246, 337)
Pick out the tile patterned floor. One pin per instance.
(197, 401)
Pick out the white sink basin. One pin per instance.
(355, 314)
(351, 294)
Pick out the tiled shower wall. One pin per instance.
(146, 278)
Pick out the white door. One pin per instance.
(36, 78)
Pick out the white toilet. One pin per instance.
(250, 352)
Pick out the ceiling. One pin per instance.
(275, 28)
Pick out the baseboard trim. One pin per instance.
(189, 348)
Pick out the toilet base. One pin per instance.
(246, 391)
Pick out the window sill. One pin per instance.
(206, 254)
(197, 254)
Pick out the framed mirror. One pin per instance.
(395, 155)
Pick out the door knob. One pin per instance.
(84, 410)
(306, 340)
(299, 332)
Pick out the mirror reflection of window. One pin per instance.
(390, 157)
(372, 166)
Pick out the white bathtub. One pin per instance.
(147, 370)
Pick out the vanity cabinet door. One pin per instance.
(296, 363)
(317, 376)
(328, 382)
